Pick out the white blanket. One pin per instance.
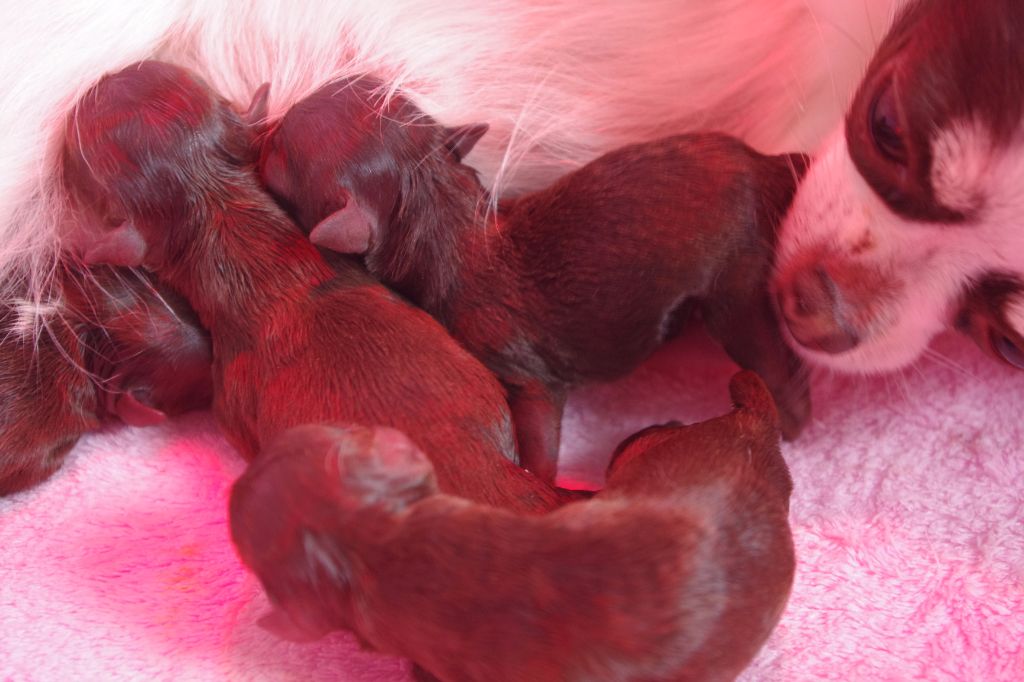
(907, 515)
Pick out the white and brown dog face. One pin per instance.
(911, 220)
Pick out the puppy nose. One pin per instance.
(812, 307)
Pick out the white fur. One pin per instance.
(960, 158)
(559, 81)
(1015, 313)
(930, 264)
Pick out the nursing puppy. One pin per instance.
(142, 344)
(159, 166)
(908, 223)
(579, 282)
(678, 570)
(119, 348)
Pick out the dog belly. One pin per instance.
(511, 63)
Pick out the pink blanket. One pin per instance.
(907, 517)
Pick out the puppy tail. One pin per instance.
(753, 400)
(749, 392)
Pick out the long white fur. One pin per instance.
(559, 81)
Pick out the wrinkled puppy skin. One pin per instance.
(678, 570)
(120, 348)
(579, 282)
(160, 171)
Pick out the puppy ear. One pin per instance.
(256, 115)
(134, 412)
(460, 140)
(347, 230)
(279, 623)
(124, 246)
(273, 171)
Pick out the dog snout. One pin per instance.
(812, 305)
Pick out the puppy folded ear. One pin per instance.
(133, 411)
(460, 140)
(123, 246)
(347, 230)
(280, 624)
(256, 115)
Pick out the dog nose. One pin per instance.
(812, 307)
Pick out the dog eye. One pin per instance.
(886, 128)
(1008, 350)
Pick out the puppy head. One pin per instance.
(312, 502)
(917, 198)
(46, 401)
(145, 148)
(143, 346)
(340, 161)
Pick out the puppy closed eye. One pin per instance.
(885, 124)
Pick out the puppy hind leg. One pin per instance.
(537, 414)
(748, 330)
(422, 675)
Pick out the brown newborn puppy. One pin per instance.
(119, 348)
(579, 282)
(678, 570)
(159, 167)
(143, 346)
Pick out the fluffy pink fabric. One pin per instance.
(907, 517)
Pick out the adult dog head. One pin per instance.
(909, 221)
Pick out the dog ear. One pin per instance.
(274, 172)
(460, 140)
(256, 115)
(279, 623)
(134, 412)
(123, 246)
(347, 230)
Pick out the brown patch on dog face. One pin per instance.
(986, 317)
(944, 61)
(865, 243)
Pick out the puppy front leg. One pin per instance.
(422, 675)
(748, 330)
(537, 414)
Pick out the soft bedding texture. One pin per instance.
(909, 489)
(909, 495)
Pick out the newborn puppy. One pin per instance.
(118, 348)
(678, 570)
(579, 282)
(159, 167)
(142, 344)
